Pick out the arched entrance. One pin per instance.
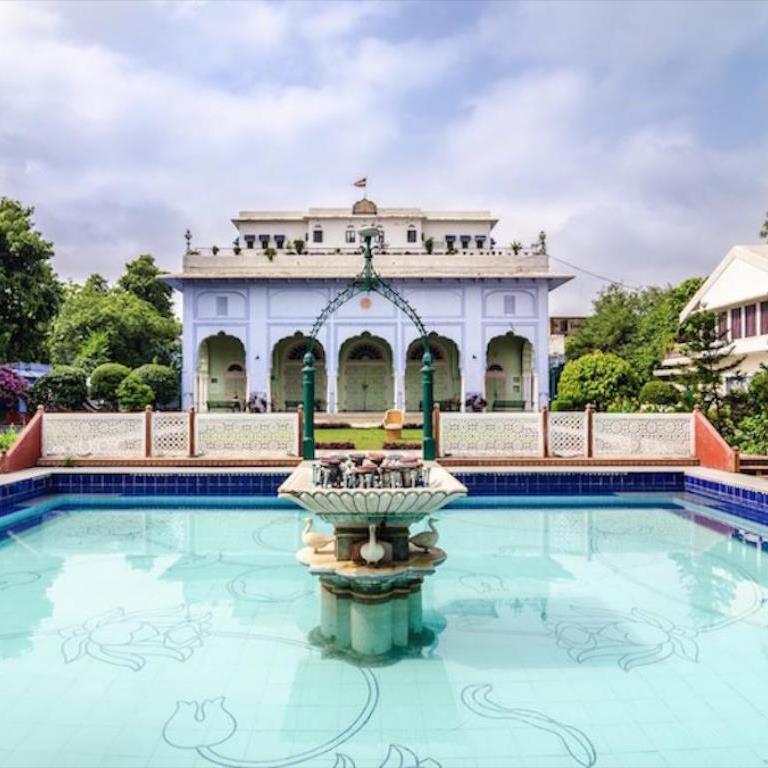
(508, 375)
(447, 375)
(366, 382)
(287, 362)
(221, 375)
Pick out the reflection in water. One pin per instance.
(183, 634)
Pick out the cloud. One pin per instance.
(602, 124)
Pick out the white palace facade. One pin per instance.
(247, 310)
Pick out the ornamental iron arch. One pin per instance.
(367, 281)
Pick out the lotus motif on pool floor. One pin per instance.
(633, 639)
(126, 639)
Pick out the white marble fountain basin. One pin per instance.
(396, 506)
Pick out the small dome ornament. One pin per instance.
(364, 207)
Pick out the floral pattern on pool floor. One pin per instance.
(571, 637)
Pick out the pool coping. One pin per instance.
(745, 496)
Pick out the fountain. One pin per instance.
(371, 578)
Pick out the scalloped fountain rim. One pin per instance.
(398, 506)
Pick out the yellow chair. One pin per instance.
(393, 425)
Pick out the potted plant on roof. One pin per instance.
(215, 249)
(429, 244)
(299, 246)
(236, 246)
(270, 253)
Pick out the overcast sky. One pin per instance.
(635, 135)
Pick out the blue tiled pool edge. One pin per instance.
(752, 503)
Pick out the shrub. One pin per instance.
(752, 434)
(105, 380)
(132, 395)
(344, 445)
(64, 389)
(758, 387)
(12, 388)
(562, 404)
(658, 393)
(600, 378)
(161, 379)
(8, 438)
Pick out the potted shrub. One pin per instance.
(429, 244)
(270, 253)
(299, 246)
(215, 249)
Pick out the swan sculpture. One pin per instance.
(372, 551)
(426, 539)
(314, 539)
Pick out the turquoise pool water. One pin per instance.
(571, 635)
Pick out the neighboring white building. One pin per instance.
(737, 291)
(247, 309)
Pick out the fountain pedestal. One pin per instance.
(372, 612)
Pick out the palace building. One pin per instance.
(247, 311)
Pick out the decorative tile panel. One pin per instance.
(170, 434)
(240, 434)
(643, 435)
(567, 433)
(491, 434)
(113, 435)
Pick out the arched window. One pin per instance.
(365, 351)
(411, 235)
(235, 368)
(317, 234)
(350, 235)
(417, 352)
(495, 368)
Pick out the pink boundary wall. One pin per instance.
(711, 450)
(26, 451)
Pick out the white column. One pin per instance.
(258, 354)
(189, 350)
(331, 368)
(398, 365)
(541, 348)
(473, 355)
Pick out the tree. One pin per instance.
(141, 279)
(764, 230)
(105, 379)
(132, 395)
(98, 323)
(639, 326)
(599, 378)
(710, 358)
(64, 389)
(161, 379)
(30, 292)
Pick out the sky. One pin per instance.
(635, 135)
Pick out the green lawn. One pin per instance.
(365, 439)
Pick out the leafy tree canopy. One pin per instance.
(599, 378)
(98, 324)
(30, 293)
(710, 358)
(639, 326)
(141, 279)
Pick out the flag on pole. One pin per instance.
(361, 182)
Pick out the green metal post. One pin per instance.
(308, 386)
(427, 398)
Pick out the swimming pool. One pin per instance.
(623, 630)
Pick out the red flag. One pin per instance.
(361, 182)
